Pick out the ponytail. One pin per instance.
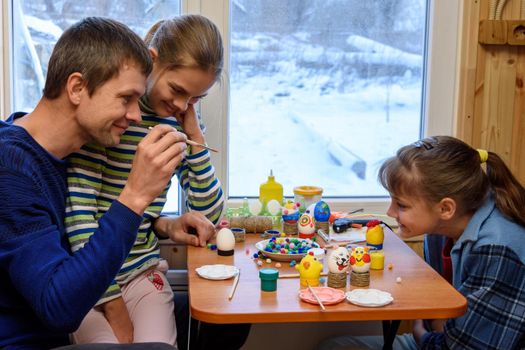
(509, 194)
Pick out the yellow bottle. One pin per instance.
(271, 190)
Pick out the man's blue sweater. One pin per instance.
(45, 291)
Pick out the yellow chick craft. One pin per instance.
(374, 235)
(309, 270)
(360, 259)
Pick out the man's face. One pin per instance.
(105, 115)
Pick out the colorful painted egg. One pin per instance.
(306, 224)
(321, 212)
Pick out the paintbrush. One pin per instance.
(193, 143)
(316, 296)
(234, 286)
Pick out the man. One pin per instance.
(96, 74)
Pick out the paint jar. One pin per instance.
(268, 278)
(239, 233)
(307, 195)
(271, 233)
(377, 260)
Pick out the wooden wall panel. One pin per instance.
(491, 95)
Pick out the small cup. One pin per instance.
(377, 260)
(268, 278)
(271, 233)
(239, 233)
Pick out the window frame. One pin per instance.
(440, 84)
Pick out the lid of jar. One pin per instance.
(308, 190)
(268, 273)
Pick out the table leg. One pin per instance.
(389, 333)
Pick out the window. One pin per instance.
(37, 25)
(322, 91)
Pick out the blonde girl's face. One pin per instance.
(414, 216)
(170, 92)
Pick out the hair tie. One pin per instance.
(483, 155)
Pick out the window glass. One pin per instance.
(323, 91)
(37, 25)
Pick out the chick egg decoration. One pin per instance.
(306, 226)
(290, 211)
(374, 235)
(338, 264)
(360, 259)
(309, 270)
(225, 242)
(290, 215)
(360, 263)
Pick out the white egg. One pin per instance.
(255, 207)
(274, 207)
(339, 260)
(225, 241)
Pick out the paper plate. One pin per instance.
(217, 271)
(278, 256)
(328, 296)
(369, 297)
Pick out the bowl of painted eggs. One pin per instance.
(285, 248)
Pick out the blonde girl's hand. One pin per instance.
(116, 312)
(192, 228)
(189, 122)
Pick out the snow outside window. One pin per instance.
(322, 92)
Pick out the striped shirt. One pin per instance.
(96, 177)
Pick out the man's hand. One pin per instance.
(118, 318)
(192, 228)
(158, 154)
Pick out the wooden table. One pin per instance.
(422, 293)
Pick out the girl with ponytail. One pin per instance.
(469, 200)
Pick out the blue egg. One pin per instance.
(321, 211)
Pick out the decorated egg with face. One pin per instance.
(360, 259)
(321, 211)
(339, 260)
(306, 224)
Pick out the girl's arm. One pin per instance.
(494, 287)
(196, 174)
(202, 187)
